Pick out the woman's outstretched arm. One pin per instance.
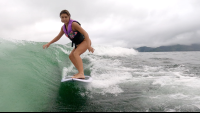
(55, 39)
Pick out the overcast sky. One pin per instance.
(123, 23)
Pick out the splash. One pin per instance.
(114, 51)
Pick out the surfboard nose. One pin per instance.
(69, 78)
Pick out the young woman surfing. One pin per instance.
(78, 36)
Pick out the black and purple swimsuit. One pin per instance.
(75, 36)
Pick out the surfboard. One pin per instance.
(69, 78)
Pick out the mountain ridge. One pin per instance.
(177, 47)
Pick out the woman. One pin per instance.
(78, 36)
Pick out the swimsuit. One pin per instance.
(75, 36)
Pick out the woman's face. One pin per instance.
(64, 18)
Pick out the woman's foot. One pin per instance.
(79, 76)
(74, 75)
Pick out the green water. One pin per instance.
(123, 80)
(29, 76)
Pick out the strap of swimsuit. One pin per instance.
(73, 44)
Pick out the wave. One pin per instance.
(31, 73)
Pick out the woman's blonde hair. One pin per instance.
(65, 12)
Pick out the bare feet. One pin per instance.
(74, 75)
(79, 76)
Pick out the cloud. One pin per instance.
(130, 23)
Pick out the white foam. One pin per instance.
(22, 42)
(64, 73)
(57, 56)
(64, 50)
(113, 51)
(66, 70)
(162, 81)
(177, 79)
(152, 69)
(178, 96)
(110, 79)
(107, 74)
(107, 80)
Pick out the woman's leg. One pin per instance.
(81, 48)
(71, 57)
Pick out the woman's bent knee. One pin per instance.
(71, 56)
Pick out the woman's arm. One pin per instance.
(55, 39)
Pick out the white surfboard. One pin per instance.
(69, 78)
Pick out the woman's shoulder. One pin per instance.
(76, 23)
(62, 26)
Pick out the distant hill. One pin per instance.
(178, 47)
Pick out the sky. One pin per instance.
(121, 23)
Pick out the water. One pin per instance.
(123, 79)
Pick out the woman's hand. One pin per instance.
(90, 49)
(46, 45)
